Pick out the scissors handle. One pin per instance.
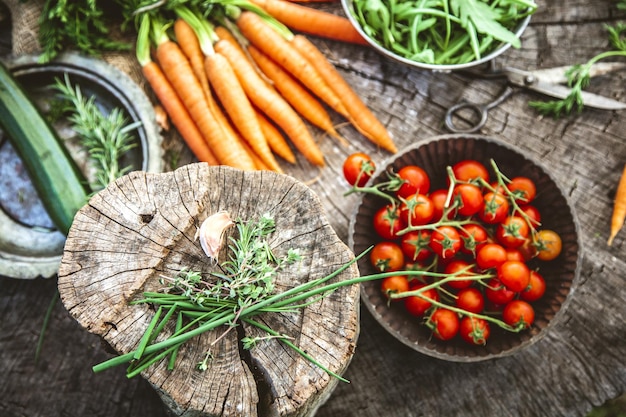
(479, 110)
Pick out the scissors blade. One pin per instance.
(557, 75)
(549, 82)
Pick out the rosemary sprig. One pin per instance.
(579, 75)
(106, 137)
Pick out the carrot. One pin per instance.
(295, 94)
(279, 49)
(170, 101)
(231, 94)
(312, 21)
(189, 43)
(619, 208)
(275, 139)
(359, 114)
(180, 74)
(270, 102)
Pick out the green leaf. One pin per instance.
(484, 19)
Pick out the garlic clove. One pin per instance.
(211, 232)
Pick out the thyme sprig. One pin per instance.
(106, 137)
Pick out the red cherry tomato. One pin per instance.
(444, 323)
(388, 222)
(462, 269)
(497, 293)
(514, 254)
(474, 237)
(393, 285)
(358, 168)
(518, 313)
(536, 287)
(469, 199)
(445, 241)
(533, 214)
(417, 209)
(469, 170)
(490, 256)
(387, 256)
(515, 275)
(470, 299)
(513, 232)
(416, 181)
(523, 189)
(495, 208)
(438, 197)
(474, 330)
(416, 245)
(417, 305)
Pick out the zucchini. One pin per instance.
(59, 183)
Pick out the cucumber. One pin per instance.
(59, 183)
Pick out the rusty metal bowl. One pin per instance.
(561, 274)
(30, 246)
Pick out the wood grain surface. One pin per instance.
(578, 366)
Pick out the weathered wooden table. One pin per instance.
(579, 365)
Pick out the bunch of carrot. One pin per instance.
(239, 85)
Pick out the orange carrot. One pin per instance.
(178, 70)
(619, 208)
(231, 94)
(279, 49)
(270, 102)
(189, 43)
(359, 114)
(178, 113)
(170, 101)
(312, 21)
(275, 139)
(295, 94)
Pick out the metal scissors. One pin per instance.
(550, 82)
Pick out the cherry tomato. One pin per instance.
(438, 197)
(490, 256)
(497, 293)
(416, 210)
(548, 244)
(514, 254)
(358, 167)
(515, 275)
(523, 189)
(387, 256)
(445, 241)
(518, 313)
(533, 213)
(495, 208)
(388, 222)
(444, 323)
(394, 284)
(469, 199)
(474, 237)
(513, 232)
(456, 266)
(469, 170)
(470, 299)
(536, 287)
(416, 181)
(417, 305)
(474, 330)
(415, 245)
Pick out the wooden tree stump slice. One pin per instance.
(143, 226)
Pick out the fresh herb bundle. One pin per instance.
(106, 137)
(579, 75)
(82, 24)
